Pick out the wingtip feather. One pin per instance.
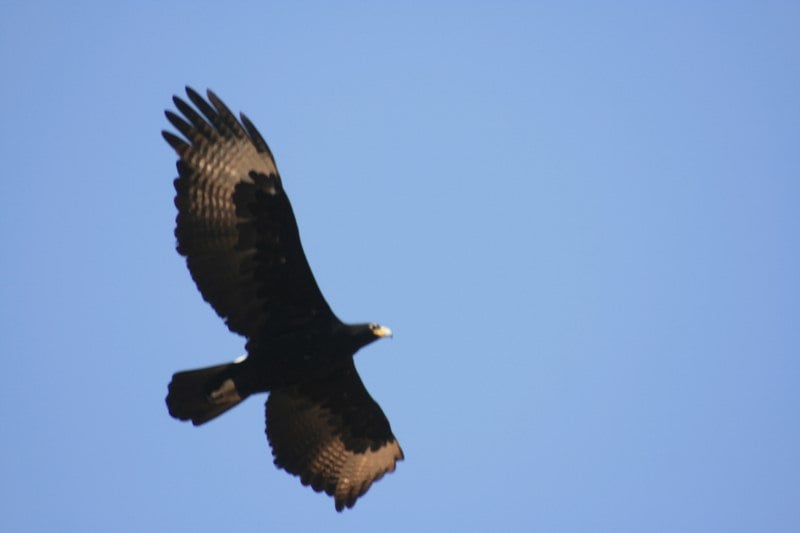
(177, 144)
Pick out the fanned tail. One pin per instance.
(203, 394)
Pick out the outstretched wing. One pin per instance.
(332, 434)
(235, 224)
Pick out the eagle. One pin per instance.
(238, 233)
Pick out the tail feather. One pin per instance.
(203, 394)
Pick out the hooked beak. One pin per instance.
(382, 331)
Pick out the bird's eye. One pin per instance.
(373, 326)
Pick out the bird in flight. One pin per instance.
(237, 230)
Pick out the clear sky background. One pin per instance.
(580, 220)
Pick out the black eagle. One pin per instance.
(236, 228)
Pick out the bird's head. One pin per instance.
(364, 334)
(379, 331)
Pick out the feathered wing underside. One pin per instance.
(235, 224)
(332, 434)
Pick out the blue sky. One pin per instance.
(580, 220)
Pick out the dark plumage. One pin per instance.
(236, 228)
